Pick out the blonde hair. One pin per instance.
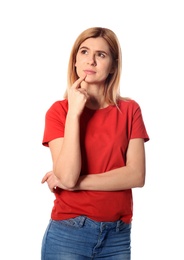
(111, 90)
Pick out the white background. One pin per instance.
(35, 41)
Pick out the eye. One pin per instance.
(84, 51)
(101, 54)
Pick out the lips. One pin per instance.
(89, 72)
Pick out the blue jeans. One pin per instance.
(81, 238)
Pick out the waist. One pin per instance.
(98, 206)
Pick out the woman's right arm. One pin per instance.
(66, 154)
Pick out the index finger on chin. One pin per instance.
(78, 81)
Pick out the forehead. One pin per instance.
(96, 44)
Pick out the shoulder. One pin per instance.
(59, 105)
(58, 108)
(127, 104)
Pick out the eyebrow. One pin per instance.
(84, 47)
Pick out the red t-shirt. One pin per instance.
(104, 137)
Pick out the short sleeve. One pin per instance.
(55, 121)
(138, 129)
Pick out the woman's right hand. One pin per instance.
(77, 97)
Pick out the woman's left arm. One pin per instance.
(130, 176)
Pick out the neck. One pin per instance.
(96, 96)
(94, 103)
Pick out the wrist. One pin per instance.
(73, 114)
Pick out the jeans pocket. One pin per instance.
(124, 226)
(77, 222)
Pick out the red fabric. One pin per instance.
(105, 135)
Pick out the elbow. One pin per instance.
(141, 184)
(67, 180)
(141, 180)
(69, 184)
(138, 178)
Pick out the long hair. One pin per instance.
(112, 84)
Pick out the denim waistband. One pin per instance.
(98, 224)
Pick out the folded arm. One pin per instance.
(130, 176)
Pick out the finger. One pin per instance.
(84, 92)
(44, 179)
(78, 81)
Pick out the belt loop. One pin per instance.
(101, 226)
(117, 225)
(82, 220)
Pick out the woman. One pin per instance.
(96, 139)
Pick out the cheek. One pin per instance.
(108, 70)
(111, 69)
(77, 63)
(78, 66)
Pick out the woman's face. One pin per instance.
(94, 60)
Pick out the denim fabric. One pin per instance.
(81, 238)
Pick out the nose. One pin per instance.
(92, 60)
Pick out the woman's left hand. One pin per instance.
(52, 181)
